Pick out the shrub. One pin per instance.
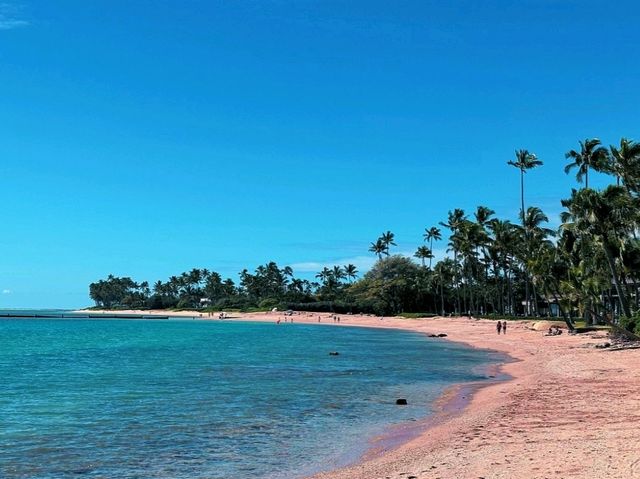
(631, 324)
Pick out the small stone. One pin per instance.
(401, 402)
(334, 353)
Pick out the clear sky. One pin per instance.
(144, 138)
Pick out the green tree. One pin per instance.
(625, 164)
(524, 162)
(351, 271)
(388, 240)
(608, 217)
(378, 248)
(431, 234)
(423, 253)
(591, 156)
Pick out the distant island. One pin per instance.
(589, 269)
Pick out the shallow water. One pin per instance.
(208, 399)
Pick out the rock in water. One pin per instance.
(334, 353)
(401, 402)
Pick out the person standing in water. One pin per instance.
(499, 327)
(504, 327)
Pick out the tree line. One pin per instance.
(589, 267)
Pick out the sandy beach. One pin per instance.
(568, 411)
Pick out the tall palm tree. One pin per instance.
(483, 215)
(590, 156)
(625, 163)
(524, 161)
(378, 248)
(351, 272)
(387, 238)
(431, 234)
(503, 249)
(454, 222)
(423, 253)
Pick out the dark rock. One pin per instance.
(334, 353)
(401, 402)
(442, 335)
(603, 345)
(433, 335)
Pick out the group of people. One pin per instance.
(501, 327)
(554, 331)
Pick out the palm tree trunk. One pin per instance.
(510, 293)
(586, 178)
(431, 248)
(622, 297)
(567, 320)
(535, 299)
(455, 279)
(527, 310)
(526, 294)
(522, 194)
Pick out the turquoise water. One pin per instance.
(208, 399)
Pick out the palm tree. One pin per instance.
(454, 221)
(423, 253)
(548, 267)
(608, 217)
(387, 238)
(351, 272)
(533, 236)
(524, 161)
(483, 215)
(591, 155)
(431, 234)
(532, 224)
(324, 275)
(378, 248)
(503, 250)
(338, 273)
(625, 163)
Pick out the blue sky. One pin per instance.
(146, 138)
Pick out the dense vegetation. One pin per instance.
(589, 267)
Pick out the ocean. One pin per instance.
(209, 399)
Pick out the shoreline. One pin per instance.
(568, 410)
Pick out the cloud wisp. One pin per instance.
(10, 17)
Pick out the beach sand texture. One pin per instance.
(568, 411)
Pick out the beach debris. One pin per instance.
(442, 335)
(401, 402)
(334, 353)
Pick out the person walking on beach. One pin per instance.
(504, 327)
(499, 327)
